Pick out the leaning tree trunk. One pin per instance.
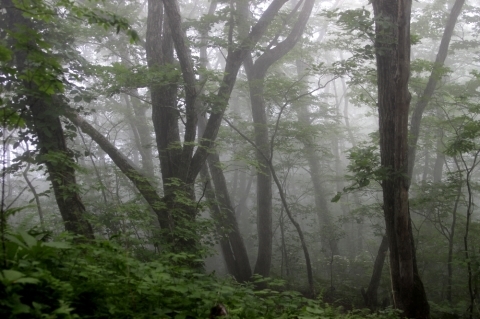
(231, 241)
(435, 76)
(370, 295)
(45, 110)
(392, 49)
(133, 173)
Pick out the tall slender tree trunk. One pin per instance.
(181, 161)
(439, 149)
(435, 76)
(327, 229)
(256, 72)
(231, 241)
(228, 220)
(264, 177)
(392, 48)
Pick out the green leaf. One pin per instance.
(27, 280)
(336, 198)
(11, 275)
(58, 245)
(28, 239)
(5, 54)
(15, 240)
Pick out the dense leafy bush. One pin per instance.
(65, 279)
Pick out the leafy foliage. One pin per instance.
(61, 279)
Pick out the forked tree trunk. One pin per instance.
(181, 161)
(392, 49)
(256, 72)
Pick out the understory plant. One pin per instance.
(68, 278)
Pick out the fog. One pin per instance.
(247, 134)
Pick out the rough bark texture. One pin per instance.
(45, 122)
(392, 44)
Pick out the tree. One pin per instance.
(42, 102)
(180, 162)
(435, 76)
(256, 72)
(392, 51)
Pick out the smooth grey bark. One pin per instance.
(228, 221)
(231, 241)
(216, 214)
(256, 72)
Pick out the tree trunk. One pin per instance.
(370, 296)
(264, 177)
(35, 195)
(435, 76)
(327, 229)
(141, 182)
(140, 128)
(180, 163)
(45, 111)
(288, 211)
(440, 155)
(256, 72)
(392, 49)
(228, 220)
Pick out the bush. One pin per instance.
(63, 279)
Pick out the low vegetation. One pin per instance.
(60, 278)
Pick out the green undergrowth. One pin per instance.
(42, 278)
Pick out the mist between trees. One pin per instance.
(248, 159)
